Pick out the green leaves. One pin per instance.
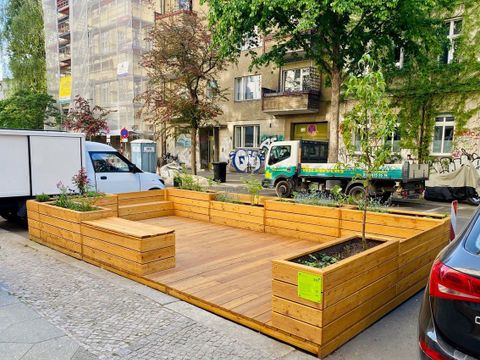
(28, 110)
(21, 30)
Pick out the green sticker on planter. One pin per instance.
(310, 287)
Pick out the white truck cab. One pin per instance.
(34, 162)
(110, 172)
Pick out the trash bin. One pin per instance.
(220, 171)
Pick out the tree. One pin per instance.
(366, 127)
(428, 85)
(332, 33)
(182, 67)
(82, 118)
(22, 33)
(26, 109)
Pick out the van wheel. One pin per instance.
(283, 189)
(357, 193)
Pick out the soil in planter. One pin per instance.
(334, 254)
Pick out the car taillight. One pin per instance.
(431, 353)
(447, 283)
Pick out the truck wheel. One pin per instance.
(357, 193)
(283, 189)
(8, 216)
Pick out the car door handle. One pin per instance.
(103, 178)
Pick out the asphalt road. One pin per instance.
(392, 337)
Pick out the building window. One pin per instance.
(184, 5)
(248, 88)
(443, 135)
(453, 30)
(296, 80)
(212, 89)
(246, 136)
(252, 42)
(399, 56)
(394, 140)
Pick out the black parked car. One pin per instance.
(449, 324)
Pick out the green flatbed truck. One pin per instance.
(295, 165)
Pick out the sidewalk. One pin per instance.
(24, 334)
(60, 308)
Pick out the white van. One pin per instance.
(34, 162)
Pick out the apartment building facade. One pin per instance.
(97, 45)
(94, 48)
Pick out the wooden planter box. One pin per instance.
(299, 221)
(108, 201)
(144, 205)
(238, 215)
(191, 204)
(356, 292)
(247, 199)
(135, 248)
(60, 228)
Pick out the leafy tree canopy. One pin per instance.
(22, 33)
(333, 33)
(28, 110)
(427, 86)
(182, 93)
(83, 118)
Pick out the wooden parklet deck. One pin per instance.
(227, 270)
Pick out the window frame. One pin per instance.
(452, 36)
(242, 80)
(302, 78)
(241, 128)
(444, 123)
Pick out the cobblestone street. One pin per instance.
(109, 317)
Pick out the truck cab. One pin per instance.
(302, 165)
(110, 172)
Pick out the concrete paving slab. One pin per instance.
(30, 332)
(13, 351)
(62, 348)
(15, 313)
(7, 299)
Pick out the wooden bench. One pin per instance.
(136, 248)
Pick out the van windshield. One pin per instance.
(279, 153)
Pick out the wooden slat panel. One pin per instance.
(254, 211)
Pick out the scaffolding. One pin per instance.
(99, 43)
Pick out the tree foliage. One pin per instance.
(333, 33)
(28, 110)
(22, 33)
(182, 67)
(368, 125)
(83, 118)
(426, 87)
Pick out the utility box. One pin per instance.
(144, 154)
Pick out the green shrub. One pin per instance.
(188, 182)
(318, 199)
(254, 187)
(42, 197)
(374, 205)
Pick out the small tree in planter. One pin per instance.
(367, 126)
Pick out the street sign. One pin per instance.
(124, 133)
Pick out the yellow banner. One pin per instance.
(65, 92)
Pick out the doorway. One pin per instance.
(208, 146)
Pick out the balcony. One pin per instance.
(174, 7)
(64, 53)
(289, 103)
(63, 6)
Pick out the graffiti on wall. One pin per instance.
(183, 149)
(252, 160)
(247, 160)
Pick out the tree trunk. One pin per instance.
(334, 116)
(364, 222)
(194, 151)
